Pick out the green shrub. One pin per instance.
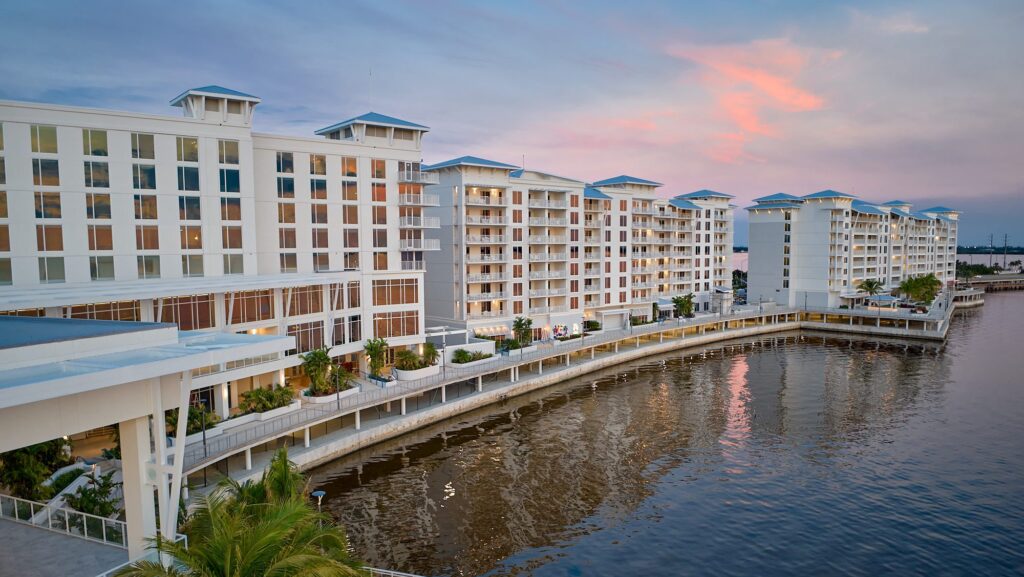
(591, 326)
(512, 344)
(568, 338)
(61, 482)
(197, 418)
(406, 360)
(462, 356)
(263, 400)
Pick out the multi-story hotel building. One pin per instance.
(558, 251)
(815, 250)
(197, 221)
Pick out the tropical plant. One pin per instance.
(341, 379)
(61, 482)
(259, 528)
(316, 364)
(23, 470)
(406, 360)
(198, 419)
(376, 350)
(872, 286)
(522, 329)
(921, 288)
(591, 326)
(96, 497)
(430, 354)
(654, 311)
(462, 356)
(512, 344)
(263, 400)
(683, 305)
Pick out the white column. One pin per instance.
(223, 402)
(444, 397)
(248, 459)
(139, 504)
(359, 423)
(479, 383)
(305, 437)
(403, 405)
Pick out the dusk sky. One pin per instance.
(923, 102)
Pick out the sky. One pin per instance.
(917, 101)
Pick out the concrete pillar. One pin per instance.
(139, 504)
(279, 378)
(359, 423)
(567, 359)
(540, 367)
(223, 402)
(661, 337)
(479, 383)
(305, 437)
(616, 346)
(592, 349)
(403, 405)
(248, 459)
(444, 395)
(638, 342)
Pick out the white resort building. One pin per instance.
(199, 222)
(815, 250)
(523, 243)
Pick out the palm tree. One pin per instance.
(376, 350)
(265, 527)
(316, 364)
(683, 305)
(871, 286)
(430, 354)
(522, 328)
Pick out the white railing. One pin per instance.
(419, 200)
(485, 220)
(489, 277)
(547, 222)
(420, 221)
(418, 177)
(65, 521)
(543, 274)
(591, 256)
(546, 239)
(544, 256)
(555, 292)
(485, 296)
(386, 573)
(486, 314)
(486, 238)
(485, 200)
(591, 241)
(413, 265)
(420, 244)
(474, 258)
(547, 204)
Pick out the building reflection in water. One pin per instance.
(545, 468)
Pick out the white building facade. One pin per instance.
(815, 250)
(197, 221)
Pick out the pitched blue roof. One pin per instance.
(945, 218)
(900, 213)
(829, 194)
(470, 161)
(771, 205)
(777, 197)
(625, 179)
(591, 192)
(895, 203)
(921, 216)
(683, 204)
(213, 89)
(705, 193)
(867, 208)
(938, 209)
(373, 118)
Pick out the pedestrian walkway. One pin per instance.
(34, 552)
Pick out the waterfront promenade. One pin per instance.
(319, 433)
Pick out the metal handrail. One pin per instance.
(66, 521)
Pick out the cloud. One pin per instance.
(749, 81)
(891, 24)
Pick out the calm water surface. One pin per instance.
(797, 454)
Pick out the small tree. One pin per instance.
(23, 470)
(376, 350)
(406, 360)
(430, 354)
(683, 304)
(341, 379)
(871, 286)
(522, 328)
(654, 311)
(316, 364)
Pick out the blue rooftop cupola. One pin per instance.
(472, 161)
(704, 195)
(375, 127)
(624, 179)
(217, 104)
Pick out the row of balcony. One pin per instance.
(419, 200)
(420, 244)
(419, 222)
(544, 256)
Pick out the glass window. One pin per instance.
(149, 266)
(320, 238)
(380, 192)
(228, 151)
(233, 264)
(5, 272)
(3, 171)
(234, 107)
(380, 215)
(188, 149)
(308, 336)
(189, 208)
(403, 134)
(191, 265)
(318, 213)
(288, 262)
(100, 237)
(45, 172)
(396, 324)
(250, 306)
(190, 312)
(229, 180)
(395, 292)
(97, 174)
(142, 146)
(286, 238)
(321, 262)
(231, 209)
(188, 178)
(231, 236)
(349, 191)
(285, 163)
(350, 214)
(285, 213)
(94, 142)
(285, 187)
(378, 168)
(211, 104)
(306, 300)
(318, 189)
(51, 269)
(5, 239)
(377, 131)
(47, 204)
(145, 206)
(101, 267)
(3, 204)
(147, 237)
(44, 139)
(380, 238)
(317, 164)
(348, 166)
(380, 261)
(144, 176)
(191, 237)
(1, 137)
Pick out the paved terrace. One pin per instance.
(337, 427)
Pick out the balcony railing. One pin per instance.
(486, 296)
(544, 256)
(476, 258)
(592, 241)
(488, 277)
(418, 177)
(591, 256)
(547, 221)
(545, 274)
(485, 220)
(486, 314)
(486, 239)
(419, 200)
(65, 521)
(546, 239)
(547, 204)
(420, 244)
(413, 265)
(419, 222)
(486, 200)
(554, 292)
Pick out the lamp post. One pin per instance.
(319, 494)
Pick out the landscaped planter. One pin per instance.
(559, 343)
(475, 363)
(523, 351)
(430, 371)
(229, 424)
(332, 397)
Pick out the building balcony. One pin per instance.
(486, 220)
(419, 200)
(591, 288)
(591, 241)
(477, 200)
(546, 239)
(485, 258)
(418, 177)
(545, 256)
(557, 204)
(545, 310)
(413, 265)
(419, 222)
(592, 256)
(487, 277)
(420, 244)
(486, 296)
(643, 210)
(553, 292)
(547, 222)
(547, 274)
(486, 239)
(486, 314)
